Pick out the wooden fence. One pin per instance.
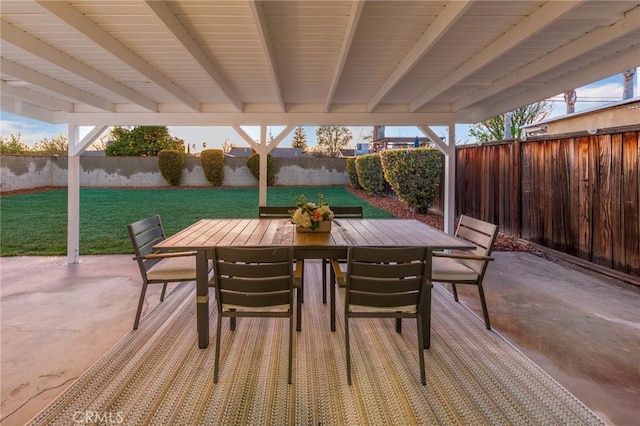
(578, 194)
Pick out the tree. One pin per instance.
(493, 128)
(332, 138)
(570, 98)
(143, 141)
(627, 83)
(228, 145)
(57, 145)
(299, 139)
(12, 145)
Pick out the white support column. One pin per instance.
(262, 191)
(76, 147)
(450, 182)
(73, 196)
(449, 151)
(263, 148)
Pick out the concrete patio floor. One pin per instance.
(582, 328)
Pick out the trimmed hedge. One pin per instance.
(352, 173)
(212, 161)
(253, 163)
(370, 174)
(414, 175)
(171, 163)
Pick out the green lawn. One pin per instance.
(36, 224)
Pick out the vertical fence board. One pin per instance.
(602, 253)
(549, 192)
(515, 187)
(617, 205)
(631, 199)
(585, 198)
(541, 191)
(525, 206)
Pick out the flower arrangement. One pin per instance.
(309, 214)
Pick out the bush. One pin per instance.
(370, 175)
(171, 163)
(414, 175)
(212, 161)
(352, 173)
(253, 163)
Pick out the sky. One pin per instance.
(590, 96)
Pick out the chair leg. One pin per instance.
(164, 290)
(455, 292)
(483, 301)
(143, 292)
(302, 282)
(423, 379)
(426, 318)
(325, 263)
(217, 356)
(299, 309)
(346, 339)
(291, 344)
(398, 325)
(232, 322)
(332, 299)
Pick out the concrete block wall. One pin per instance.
(18, 172)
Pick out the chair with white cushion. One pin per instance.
(157, 267)
(467, 267)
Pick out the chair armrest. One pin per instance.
(462, 256)
(340, 278)
(167, 255)
(298, 271)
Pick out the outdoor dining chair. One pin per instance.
(387, 282)
(282, 212)
(157, 267)
(467, 267)
(253, 282)
(339, 212)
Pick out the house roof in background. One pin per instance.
(304, 62)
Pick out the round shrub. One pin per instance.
(370, 174)
(352, 174)
(212, 161)
(414, 175)
(253, 163)
(171, 163)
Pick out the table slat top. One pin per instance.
(209, 233)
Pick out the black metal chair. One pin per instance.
(388, 282)
(253, 282)
(468, 267)
(157, 267)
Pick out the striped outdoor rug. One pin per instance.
(157, 375)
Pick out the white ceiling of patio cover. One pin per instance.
(304, 62)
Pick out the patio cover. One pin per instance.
(288, 63)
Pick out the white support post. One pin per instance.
(450, 182)
(73, 196)
(76, 147)
(449, 151)
(263, 148)
(263, 152)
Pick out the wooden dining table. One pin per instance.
(206, 234)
